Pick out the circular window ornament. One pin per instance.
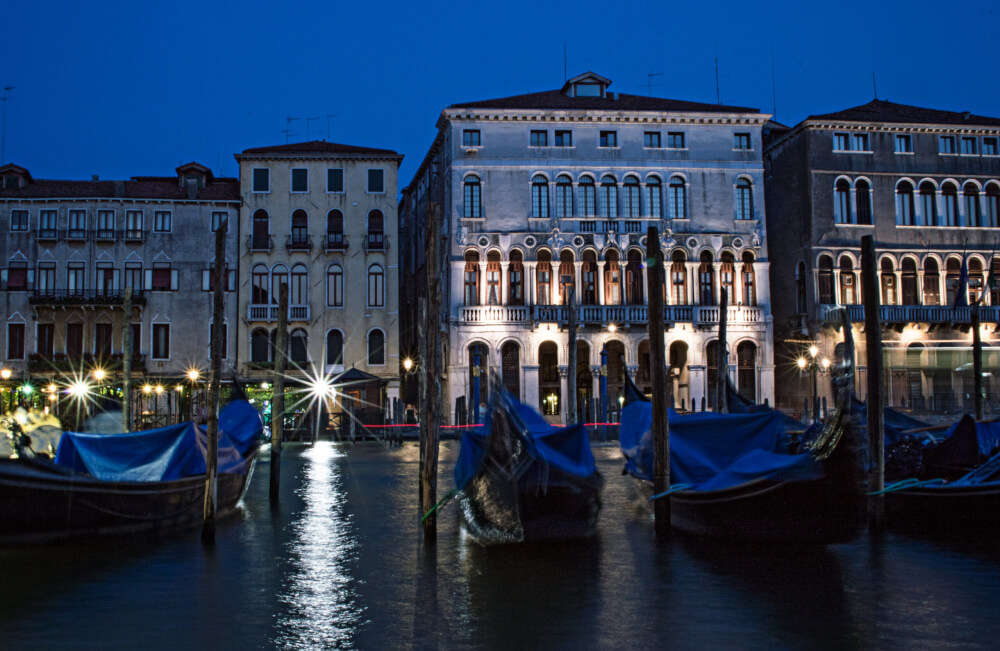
(738, 243)
(692, 242)
(483, 241)
(642, 240)
(577, 241)
(529, 241)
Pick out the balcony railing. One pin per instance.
(376, 242)
(68, 363)
(105, 235)
(260, 242)
(78, 234)
(48, 234)
(336, 242)
(302, 243)
(902, 314)
(135, 235)
(697, 315)
(269, 313)
(84, 297)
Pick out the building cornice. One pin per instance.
(319, 156)
(603, 117)
(193, 202)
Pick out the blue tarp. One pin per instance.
(710, 451)
(564, 448)
(965, 444)
(163, 454)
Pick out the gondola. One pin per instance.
(523, 480)
(734, 476)
(149, 481)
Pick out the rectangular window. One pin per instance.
(609, 139)
(376, 181)
(741, 141)
(16, 276)
(161, 341)
(15, 341)
(74, 340)
(102, 340)
(564, 139)
(105, 224)
(904, 143)
(161, 221)
(133, 224)
(45, 279)
(969, 145)
(45, 339)
(651, 139)
(261, 179)
(675, 140)
(946, 145)
(470, 138)
(47, 224)
(220, 218)
(19, 219)
(225, 338)
(539, 138)
(133, 276)
(136, 335)
(77, 227)
(861, 142)
(208, 280)
(76, 277)
(162, 278)
(841, 142)
(300, 179)
(335, 180)
(989, 149)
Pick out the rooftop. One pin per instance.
(880, 110)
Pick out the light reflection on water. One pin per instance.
(322, 609)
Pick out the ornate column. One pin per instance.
(600, 282)
(504, 282)
(529, 283)
(563, 373)
(481, 290)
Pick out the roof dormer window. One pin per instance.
(588, 90)
(588, 84)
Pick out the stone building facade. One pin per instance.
(557, 188)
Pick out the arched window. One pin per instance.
(992, 205)
(483, 353)
(259, 289)
(515, 279)
(588, 271)
(549, 397)
(607, 205)
(471, 278)
(587, 205)
(633, 278)
(678, 278)
(630, 198)
(300, 229)
(749, 280)
(800, 288)
(260, 239)
(842, 202)
(653, 194)
(334, 230)
(298, 344)
(677, 199)
(727, 276)
(824, 277)
(510, 368)
(973, 216)
(335, 286)
(612, 279)
(932, 282)
(746, 370)
(376, 231)
(908, 284)
(975, 280)
(928, 204)
(949, 193)
(298, 289)
(376, 286)
(888, 282)
(539, 197)
(953, 272)
(706, 280)
(543, 279)
(848, 282)
(564, 196)
(473, 198)
(260, 346)
(493, 291)
(279, 277)
(905, 214)
(712, 371)
(863, 199)
(567, 276)
(744, 199)
(335, 348)
(376, 348)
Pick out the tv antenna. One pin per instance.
(288, 128)
(328, 116)
(3, 130)
(649, 82)
(307, 126)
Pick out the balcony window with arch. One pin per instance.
(863, 201)
(744, 199)
(539, 197)
(908, 282)
(824, 278)
(376, 286)
(848, 282)
(888, 282)
(842, 202)
(335, 348)
(905, 211)
(567, 276)
(677, 199)
(992, 205)
(335, 230)
(706, 280)
(259, 285)
(376, 231)
(564, 196)
(376, 348)
(300, 230)
(260, 346)
(995, 289)
(543, 280)
(612, 279)
(975, 280)
(678, 278)
(587, 205)
(607, 204)
(949, 196)
(493, 272)
(260, 237)
(726, 276)
(973, 216)
(749, 280)
(932, 282)
(298, 346)
(588, 272)
(953, 273)
(633, 278)
(654, 189)
(515, 279)
(279, 277)
(471, 278)
(334, 286)
(630, 198)
(472, 206)
(928, 204)
(298, 289)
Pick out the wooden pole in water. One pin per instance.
(658, 371)
(214, 386)
(571, 356)
(873, 341)
(977, 362)
(721, 405)
(278, 401)
(127, 361)
(430, 425)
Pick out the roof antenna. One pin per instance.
(874, 87)
(288, 128)
(649, 82)
(3, 131)
(718, 97)
(307, 127)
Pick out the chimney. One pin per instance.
(192, 188)
(119, 189)
(95, 177)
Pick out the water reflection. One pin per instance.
(319, 595)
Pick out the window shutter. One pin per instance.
(148, 284)
(117, 279)
(231, 284)
(173, 280)
(31, 278)
(3, 279)
(205, 286)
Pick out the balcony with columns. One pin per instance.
(269, 313)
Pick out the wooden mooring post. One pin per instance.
(214, 386)
(278, 386)
(571, 355)
(721, 403)
(127, 344)
(658, 371)
(431, 348)
(977, 361)
(873, 345)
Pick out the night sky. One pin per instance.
(122, 89)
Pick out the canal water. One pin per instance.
(341, 564)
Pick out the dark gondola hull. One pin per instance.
(945, 509)
(40, 501)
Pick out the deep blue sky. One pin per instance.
(135, 88)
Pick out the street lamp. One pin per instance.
(5, 375)
(193, 375)
(814, 365)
